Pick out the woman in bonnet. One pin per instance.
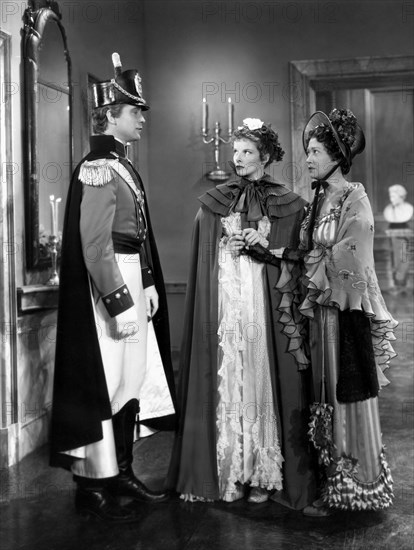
(350, 326)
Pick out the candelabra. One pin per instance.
(218, 174)
(54, 239)
(54, 277)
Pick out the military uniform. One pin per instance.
(113, 229)
(108, 259)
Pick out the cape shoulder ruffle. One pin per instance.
(279, 201)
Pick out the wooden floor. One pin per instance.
(37, 513)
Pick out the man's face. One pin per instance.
(128, 126)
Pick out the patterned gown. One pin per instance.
(340, 276)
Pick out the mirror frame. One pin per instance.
(37, 15)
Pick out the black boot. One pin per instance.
(125, 483)
(93, 499)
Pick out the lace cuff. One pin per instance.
(292, 255)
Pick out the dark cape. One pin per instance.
(193, 467)
(80, 396)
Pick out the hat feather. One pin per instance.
(116, 60)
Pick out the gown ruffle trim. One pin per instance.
(353, 292)
(343, 490)
(294, 324)
(267, 473)
(231, 344)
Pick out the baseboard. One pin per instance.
(20, 439)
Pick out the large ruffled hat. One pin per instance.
(125, 87)
(345, 130)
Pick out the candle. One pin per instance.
(57, 215)
(230, 115)
(205, 116)
(52, 207)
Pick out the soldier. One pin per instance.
(113, 347)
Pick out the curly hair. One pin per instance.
(345, 123)
(266, 140)
(99, 119)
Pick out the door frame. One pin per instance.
(307, 77)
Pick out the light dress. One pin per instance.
(248, 448)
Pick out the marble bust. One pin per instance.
(398, 211)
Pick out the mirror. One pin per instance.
(48, 127)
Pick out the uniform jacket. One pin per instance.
(80, 398)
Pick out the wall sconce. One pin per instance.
(217, 174)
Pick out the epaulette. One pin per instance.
(96, 172)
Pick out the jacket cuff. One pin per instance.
(118, 301)
(147, 278)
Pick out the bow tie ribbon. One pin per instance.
(251, 199)
(319, 183)
(324, 183)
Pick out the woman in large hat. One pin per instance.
(350, 326)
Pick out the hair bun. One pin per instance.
(271, 140)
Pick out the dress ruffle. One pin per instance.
(294, 325)
(268, 461)
(344, 491)
(347, 290)
(231, 345)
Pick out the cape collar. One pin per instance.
(243, 195)
(105, 144)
